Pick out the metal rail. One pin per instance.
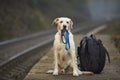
(26, 37)
(26, 51)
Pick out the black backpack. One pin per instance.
(92, 54)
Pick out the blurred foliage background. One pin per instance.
(23, 17)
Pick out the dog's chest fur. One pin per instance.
(64, 56)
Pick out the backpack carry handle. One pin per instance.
(93, 36)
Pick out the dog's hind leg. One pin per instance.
(50, 71)
(76, 71)
(80, 72)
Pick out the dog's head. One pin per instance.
(63, 23)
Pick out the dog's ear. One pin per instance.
(71, 24)
(55, 21)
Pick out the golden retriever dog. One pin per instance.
(64, 48)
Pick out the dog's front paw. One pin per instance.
(55, 73)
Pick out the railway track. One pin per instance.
(17, 56)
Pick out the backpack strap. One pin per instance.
(107, 54)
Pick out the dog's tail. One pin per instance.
(87, 73)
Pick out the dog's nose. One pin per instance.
(64, 26)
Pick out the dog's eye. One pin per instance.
(61, 21)
(67, 22)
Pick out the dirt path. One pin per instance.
(110, 72)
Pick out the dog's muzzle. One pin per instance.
(63, 30)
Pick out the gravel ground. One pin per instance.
(110, 72)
